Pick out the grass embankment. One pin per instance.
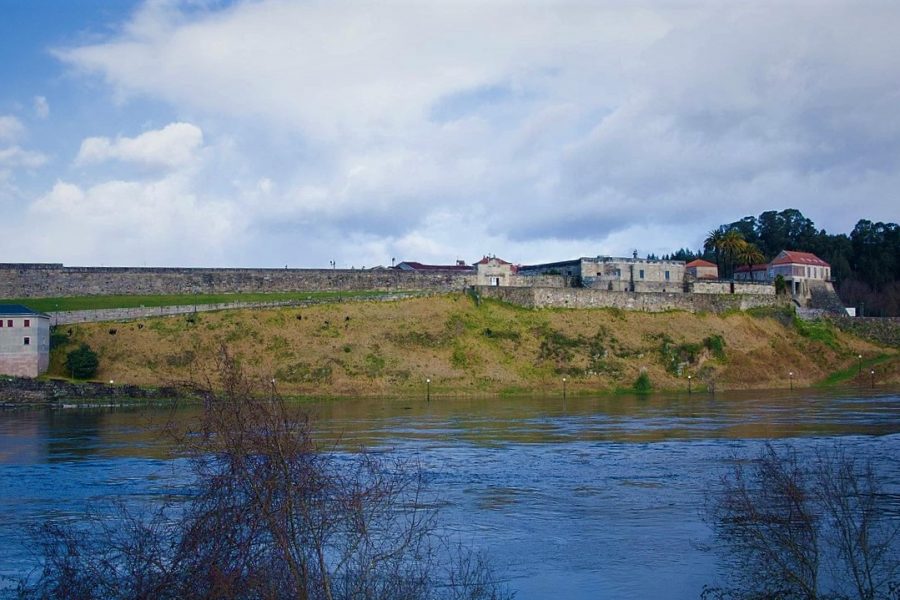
(106, 302)
(392, 347)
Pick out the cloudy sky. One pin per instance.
(296, 132)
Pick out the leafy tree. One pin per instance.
(713, 243)
(749, 255)
(685, 254)
(82, 363)
(731, 245)
(876, 250)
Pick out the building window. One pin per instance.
(642, 273)
(27, 323)
(667, 275)
(9, 322)
(27, 341)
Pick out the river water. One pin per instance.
(581, 498)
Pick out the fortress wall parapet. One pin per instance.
(55, 280)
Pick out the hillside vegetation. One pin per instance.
(374, 348)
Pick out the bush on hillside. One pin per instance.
(82, 363)
(642, 384)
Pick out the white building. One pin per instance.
(24, 341)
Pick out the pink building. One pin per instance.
(798, 268)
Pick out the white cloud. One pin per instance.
(11, 128)
(174, 146)
(350, 69)
(41, 107)
(130, 222)
(14, 156)
(536, 131)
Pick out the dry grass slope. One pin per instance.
(376, 348)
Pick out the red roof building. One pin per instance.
(702, 269)
(794, 265)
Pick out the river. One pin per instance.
(587, 497)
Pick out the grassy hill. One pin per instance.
(375, 348)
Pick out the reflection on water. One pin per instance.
(588, 498)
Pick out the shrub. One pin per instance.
(83, 362)
(642, 384)
(780, 285)
(57, 339)
(716, 346)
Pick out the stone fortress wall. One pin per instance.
(539, 290)
(55, 280)
(640, 301)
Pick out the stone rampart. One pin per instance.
(647, 302)
(55, 280)
(701, 286)
(884, 331)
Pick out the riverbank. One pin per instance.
(388, 348)
(18, 391)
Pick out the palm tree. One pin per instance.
(750, 255)
(713, 242)
(732, 243)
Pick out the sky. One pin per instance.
(271, 133)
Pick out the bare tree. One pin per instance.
(866, 560)
(781, 519)
(271, 516)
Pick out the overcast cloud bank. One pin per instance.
(307, 132)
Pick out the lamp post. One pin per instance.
(860, 365)
(428, 389)
(872, 373)
(689, 384)
(564, 388)
(791, 375)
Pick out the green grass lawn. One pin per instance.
(101, 302)
(850, 373)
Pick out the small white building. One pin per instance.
(24, 341)
(495, 271)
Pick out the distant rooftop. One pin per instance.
(409, 265)
(699, 262)
(788, 257)
(19, 310)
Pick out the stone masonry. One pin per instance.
(640, 301)
(56, 280)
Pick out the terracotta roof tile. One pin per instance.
(788, 257)
(700, 263)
